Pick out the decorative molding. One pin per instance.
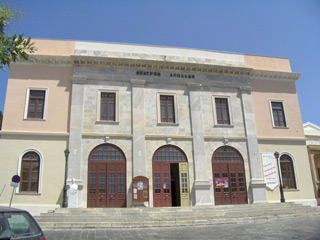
(106, 137)
(202, 68)
(49, 134)
(275, 139)
(224, 139)
(46, 60)
(274, 75)
(166, 137)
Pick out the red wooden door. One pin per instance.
(161, 184)
(97, 195)
(237, 180)
(106, 185)
(116, 195)
(234, 189)
(221, 183)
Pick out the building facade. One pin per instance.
(199, 125)
(312, 133)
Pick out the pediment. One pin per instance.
(311, 129)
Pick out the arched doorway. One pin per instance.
(228, 177)
(107, 177)
(170, 177)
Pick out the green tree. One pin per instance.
(12, 46)
(1, 116)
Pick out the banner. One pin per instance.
(270, 170)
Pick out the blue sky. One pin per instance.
(283, 28)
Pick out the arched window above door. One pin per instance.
(169, 153)
(107, 152)
(226, 154)
(287, 172)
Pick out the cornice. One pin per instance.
(164, 65)
(274, 75)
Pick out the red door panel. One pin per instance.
(161, 184)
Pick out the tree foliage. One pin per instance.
(12, 46)
(1, 116)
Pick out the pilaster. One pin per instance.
(138, 131)
(201, 184)
(257, 183)
(75, 139)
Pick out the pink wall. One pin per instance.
(54, 47)
(58, 82)
(262, 91)
(267, 63)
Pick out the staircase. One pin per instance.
(87, 218)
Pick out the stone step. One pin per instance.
(143, 217)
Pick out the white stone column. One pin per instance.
(75, 138)
(257, 183)
(138, 133)
(201, 184)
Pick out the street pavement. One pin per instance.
(306, 228)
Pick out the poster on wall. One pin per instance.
(270, 170)
(222, 182)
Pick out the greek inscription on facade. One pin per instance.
(178, 75)
(145, 73)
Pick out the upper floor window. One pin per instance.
(278, 114)
(222, 111)
(167, 109)
(108, 106)
(36, 104)
(287, 172)
(30, 167)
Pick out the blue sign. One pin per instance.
(16, 178)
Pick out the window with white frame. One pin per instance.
(222, 110)
(30, 171)
(108, 106)
(278, 113)
(167, 108)
(36, 101)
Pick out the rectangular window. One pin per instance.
(278, 114)
(222, 111)
(167, 109)
(36, 104)
(108, 106)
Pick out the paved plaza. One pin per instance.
(284, 228)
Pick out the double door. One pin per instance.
(229, 183)
(106, 184)
(170, 184)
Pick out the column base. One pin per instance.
(258, 188)
(202, 193)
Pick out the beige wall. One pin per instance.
(52, 167)
(53, 47)
(262, 92)
(58, 82)
(267, 63)
(298, 151)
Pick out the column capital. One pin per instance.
(194, 86)
(137, 82)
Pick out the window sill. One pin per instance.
(167, 124)
(106, 122)
(34, 119)
(29, 194)
(291, 190)
(223, 126)
(280, 127)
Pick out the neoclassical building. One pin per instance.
(200, 126)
